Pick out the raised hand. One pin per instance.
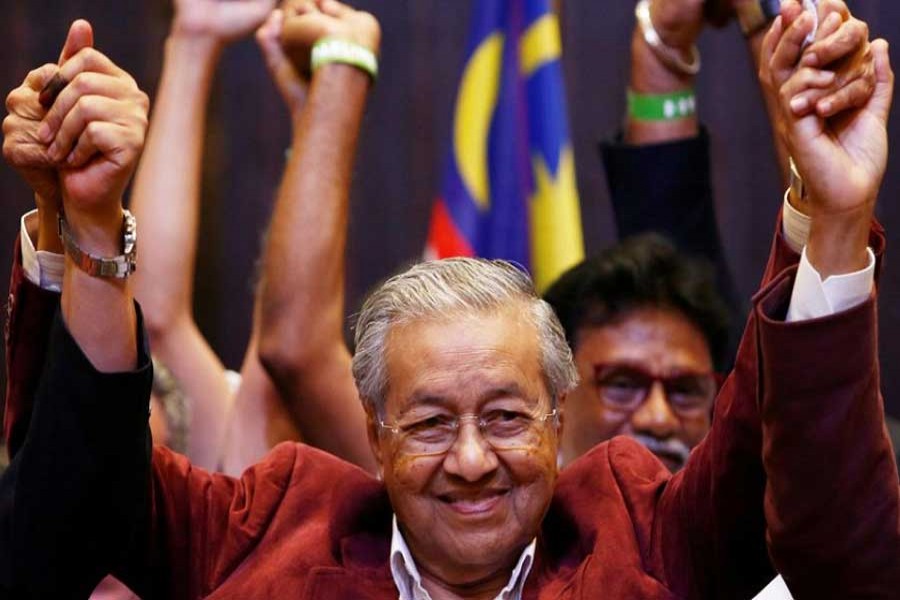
(841, 46)
(308, 21)
(94, 131)
(842, 159)
(22, 146)
(222, 20)
(678, 22)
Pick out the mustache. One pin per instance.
(671, 446)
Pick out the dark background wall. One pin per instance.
(405, 139)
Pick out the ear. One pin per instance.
(373, 431)
(560, 418)
(81, 35)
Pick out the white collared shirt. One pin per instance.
(409, 581)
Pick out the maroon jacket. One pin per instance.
(797, 455)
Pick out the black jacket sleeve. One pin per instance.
(667, 188)
(76, 491)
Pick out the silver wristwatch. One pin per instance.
(117, 266)
(797, 187)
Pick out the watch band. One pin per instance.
(118, 267)
(797, 188)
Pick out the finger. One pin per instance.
(880, 103)
(802, 81)
(81, 35)
(837, 7)
(787, 53)
(246, 15)
(333, 8)
(87, 109)
(849, 38)
(298, 7)
(22, 102)
(854, 95)
(286, 78)
(116, 143)
(770, 41)
(87, 83)
(20, 145)
(38, 78)
(831, 23)
(89, 59)
(789, 12)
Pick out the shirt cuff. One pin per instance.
(795, 226)
(812, 298)
(43, 269)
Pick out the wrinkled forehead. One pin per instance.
(658, 339)
(463, 360)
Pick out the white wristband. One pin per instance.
(336, 50)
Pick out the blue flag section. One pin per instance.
(509, 188)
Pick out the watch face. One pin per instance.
(718, 12)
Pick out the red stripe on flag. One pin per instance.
(444, 238)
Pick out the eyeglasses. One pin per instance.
(502, 429)
(625, 387)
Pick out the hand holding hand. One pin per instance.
(307, 21)
(92, 135)
(841, 46)
(842, 159)
(22, 147)
(222, 20)
(288, 81)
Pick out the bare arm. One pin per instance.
(302, 296)
(166, 201)
(678, 23)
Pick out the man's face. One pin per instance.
(467, 513)
(619, 395)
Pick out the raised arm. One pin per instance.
(849, 59)
(90, 140)
(166, 201)
(804, 393)
(302, 294)
(842, 160)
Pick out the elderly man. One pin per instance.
(463, 372)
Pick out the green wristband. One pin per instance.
(336, 50)
(662, 107)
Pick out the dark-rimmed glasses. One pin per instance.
(624, 387)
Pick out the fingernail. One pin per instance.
(71, 158)
(53, 152)
(810, 60)
(799, 104)
(824, 107)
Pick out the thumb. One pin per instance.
(81, 35)
(880, 103)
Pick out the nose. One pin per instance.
(470, 457)
(654, 416)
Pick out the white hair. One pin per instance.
(442, 288)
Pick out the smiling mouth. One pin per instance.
(483, 504)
